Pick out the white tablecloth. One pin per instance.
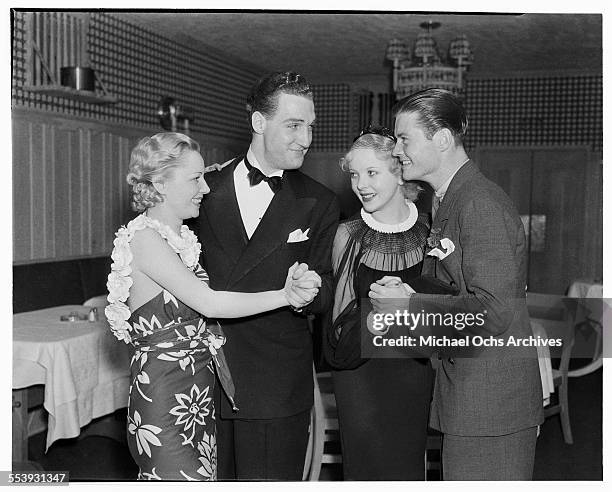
(84, 368)
(582, 288)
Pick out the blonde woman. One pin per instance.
(160, 304)
(383, 404)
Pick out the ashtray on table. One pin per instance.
(74, 316)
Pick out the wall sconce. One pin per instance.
(172, 115)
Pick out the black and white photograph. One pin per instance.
(269, 244)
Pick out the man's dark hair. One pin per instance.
(436, 109)
(263, 96)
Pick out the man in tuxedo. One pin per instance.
(488, 406)
(262, 216)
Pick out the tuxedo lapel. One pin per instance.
(221, 208)
(287, 211)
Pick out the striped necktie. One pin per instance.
(435, 204)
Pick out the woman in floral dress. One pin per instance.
(160, 302)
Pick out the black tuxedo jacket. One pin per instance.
(270, 354)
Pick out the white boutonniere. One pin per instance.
(443, 248)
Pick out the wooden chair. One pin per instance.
(434, 443)
(556, 314)
(323, 427)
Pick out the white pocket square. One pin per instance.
(298, 236)
(445, 243)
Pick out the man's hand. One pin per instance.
(389, 294)
(302, 285)
(390, 287)
(305, 278)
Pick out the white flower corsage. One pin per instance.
(444, 244)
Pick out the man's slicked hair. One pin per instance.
(436, 109)
(263, 96)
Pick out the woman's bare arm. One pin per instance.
(154, 258)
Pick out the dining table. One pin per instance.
(83, 367)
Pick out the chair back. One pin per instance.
(324, 427)
(556, 313)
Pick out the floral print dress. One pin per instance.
(176, 358)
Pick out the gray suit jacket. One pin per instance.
(499, 391)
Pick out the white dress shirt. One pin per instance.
(253, 201)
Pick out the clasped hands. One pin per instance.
(387, 294)
(302, 285)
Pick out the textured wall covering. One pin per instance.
(333, 110)
(139, 67)
(70, 157)
(536, 111)
(527, 111)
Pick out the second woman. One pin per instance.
(383, 404)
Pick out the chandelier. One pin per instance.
(426, 68)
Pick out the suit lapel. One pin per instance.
(221, 208)
(465, 173)
(287, 211)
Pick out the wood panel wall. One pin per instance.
(564, 184)
(69, 188)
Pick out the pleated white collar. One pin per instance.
(372, 223)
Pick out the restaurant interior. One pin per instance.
(86, 86)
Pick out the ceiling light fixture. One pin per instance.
(426, 68)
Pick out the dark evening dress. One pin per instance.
(176, 360)
(383, 405)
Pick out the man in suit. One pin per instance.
(261, 216)
(488, 406)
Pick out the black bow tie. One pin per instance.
(256, 176)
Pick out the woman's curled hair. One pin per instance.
(152, 159)
(383, 146)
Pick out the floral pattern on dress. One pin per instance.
(175, 357)
(208, 449)
(145, 434)
(191, 411)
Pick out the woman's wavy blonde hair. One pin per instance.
(152, 159)
(383, 146)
